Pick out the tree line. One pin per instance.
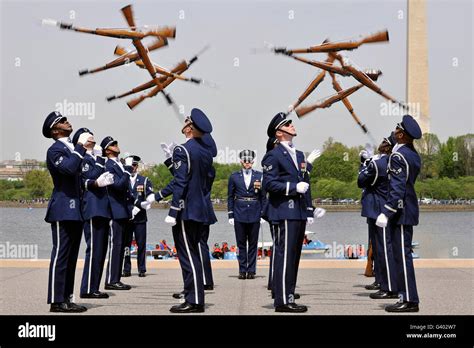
(447, 173)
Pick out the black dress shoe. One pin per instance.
(96, 294)
(178, 295)
(208, 287)
(117, 286)
(242, 275)
(402, 307)
(373, 286)
(187, 307)
(126, 274)
(76, 307)
(291, 308)
(250, 275)
(142, 274)
(66, 307)
(382, 295)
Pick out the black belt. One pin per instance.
(246, 198)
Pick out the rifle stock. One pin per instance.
(326, 47)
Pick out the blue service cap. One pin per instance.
(391, 139)
(209, 143)
(200, 121)
(78, 133)
(410, 126)
(247, 155)
(136, 159)
(277, 121)
(53, 118)
(106, 142)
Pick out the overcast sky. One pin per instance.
(39, 68)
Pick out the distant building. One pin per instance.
(15, 170)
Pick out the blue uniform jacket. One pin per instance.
(402, 204)
(280, 176)
(373, 179)
(210, 180)
(192, 163)
(95, 199)
(240, 209)
(64, 166)
(120, 196)
(140, 191)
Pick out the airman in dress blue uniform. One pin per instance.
(401, 212)
(64, 161)
(121, 204)
(141, 188)
(203, 246)
(96, 213)
(373, 179)
(289, 205)
(244, 205)
(272, 142)
(189, 210)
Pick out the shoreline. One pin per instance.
(329, 208)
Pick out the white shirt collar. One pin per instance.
(247, 177)
(67, 142)
(291, 151)
(116, 160)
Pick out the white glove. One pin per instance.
(145, 205)
(85, 137)
(309, 221)
(128, 161)
(135, 211)
(166, 149)
(262, 220)
(105, 179)
(319, 213)
(171, 146)
(151, 198)
(316, 153)
(364, 154)
(170, 220)
(302, 187)
(97, 150)
(381, 220)
(231, 221)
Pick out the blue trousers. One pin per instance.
(205, 258)
(383, 256)
(96, 234)
(62, 268)
(246, 235)
(139, 230)
(187, 235)
(402, 236)
(288, 242)
(273, 232)
(116, 251)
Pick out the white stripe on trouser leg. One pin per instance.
(273, 254)
(111, 248)
(386, 261)
(90, 258)
(53, 271)
(191, 261)
(284, 261)
(404, 263)
(202, 263)
(124, 250)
